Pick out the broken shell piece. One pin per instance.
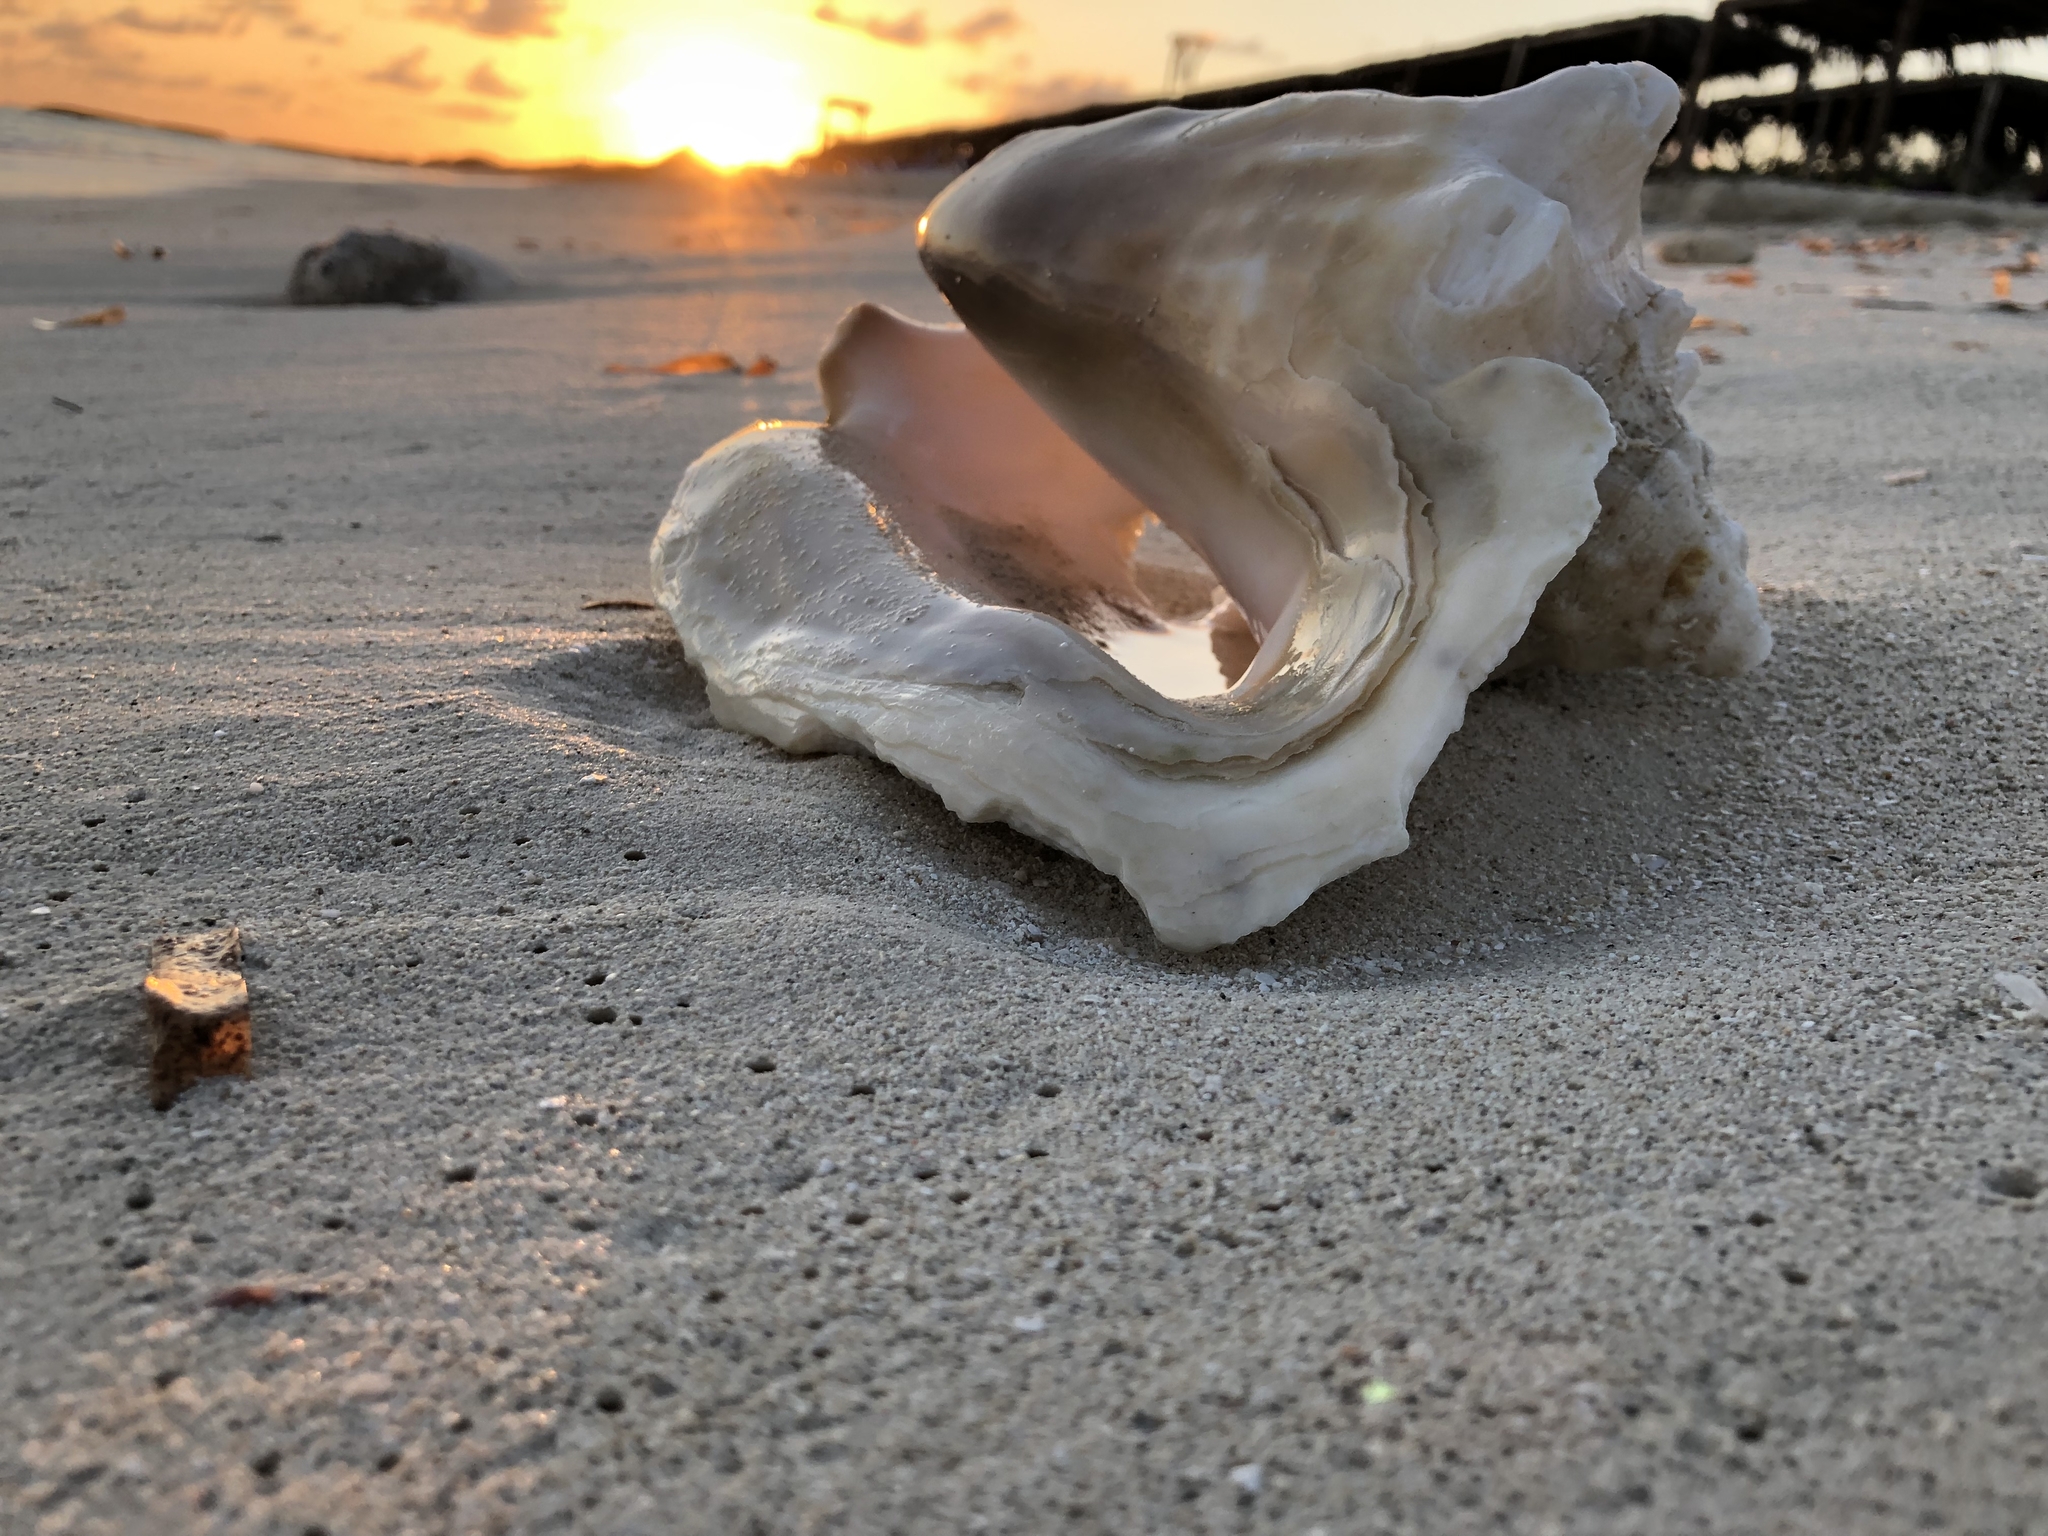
(198, 1007)
(113, 314)
(2026, 993)
(1266, 432)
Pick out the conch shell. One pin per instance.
(1265, 436)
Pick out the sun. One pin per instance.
(725, 103)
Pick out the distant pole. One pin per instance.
(1518, 58)
(1980, 132)
(1881, 115)
(1802, 89)
(1690, 116)
(837, 107)
(1183, 57)
(1822, 115)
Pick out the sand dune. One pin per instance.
(683, 1137)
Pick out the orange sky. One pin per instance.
(539, 80)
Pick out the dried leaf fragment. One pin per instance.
(1905, 477)
(1708, 354)
(602, 603)
(113, 314)
(761, 367)
(240, 1298)
(1889, 245)
(246, 1298)
(2001, 284)
(688, 363)
(198, 1006)
(1735, 277)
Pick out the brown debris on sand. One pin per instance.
(700, 362)
(198, 1006)
(113, 314)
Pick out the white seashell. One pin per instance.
(1358, 353)
(2025, 993)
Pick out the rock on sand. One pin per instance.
(361, 267)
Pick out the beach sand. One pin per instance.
(675, 1136)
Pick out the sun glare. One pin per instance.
(726, 104)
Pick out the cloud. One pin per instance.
(70, 39)
(260, 90)
(907, 30)
(76, 44)
(404, 73)
(85, 45)
(229, 17)
(986, 26)
(475, 112)
(485, 80)
(1013, 94)
(169, 26)
(493, 18)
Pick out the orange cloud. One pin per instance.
(907, 30)
(223, 18)
(475, 112)
(997, 21)
(1014, 94)
(493, 18)
(485, 80)
(910, 31)
(405, 74)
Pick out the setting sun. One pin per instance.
(726, 104)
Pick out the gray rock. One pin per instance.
(361, 267)
(1708, 247)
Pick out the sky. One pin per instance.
(735, 81)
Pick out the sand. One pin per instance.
(650, 1132)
